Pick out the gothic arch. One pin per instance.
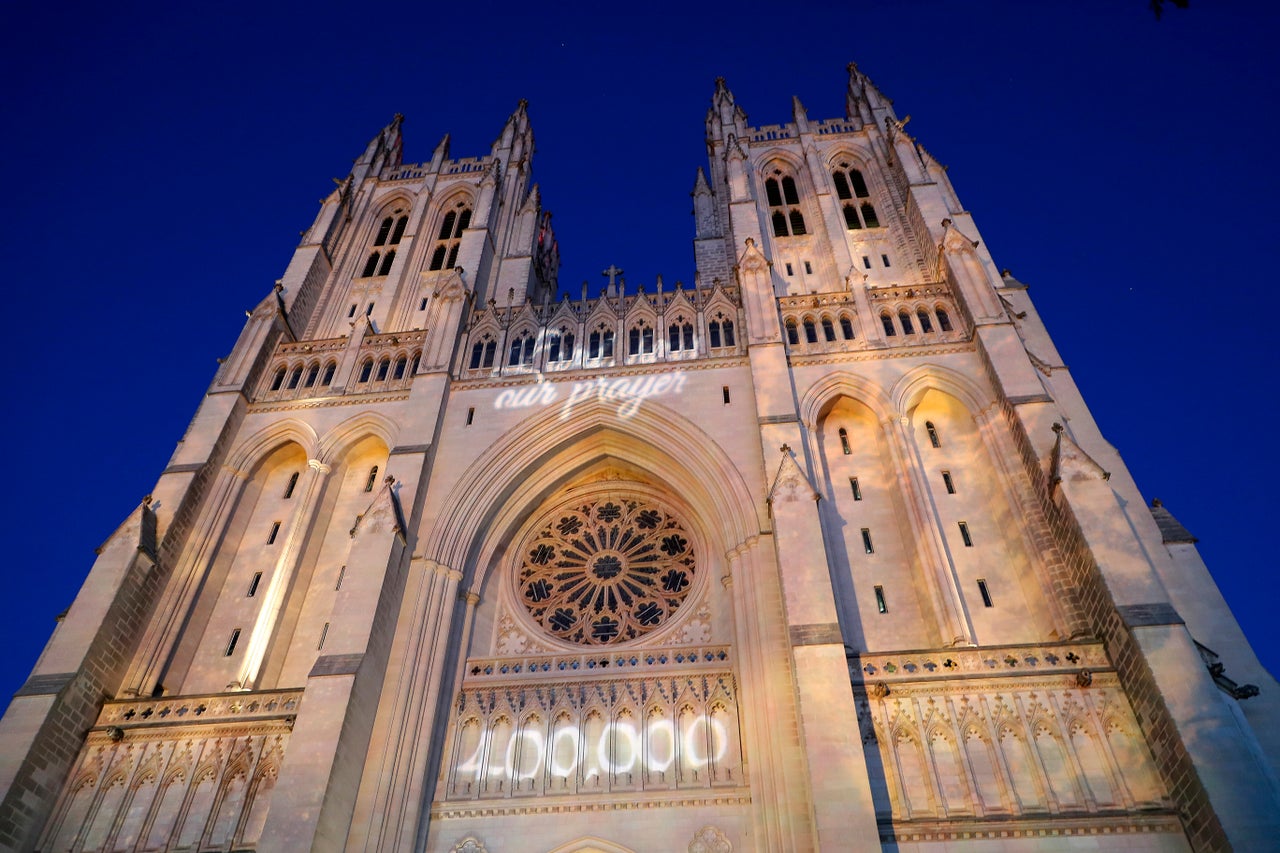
(262, 443)
(591, 844)
(546, 450)
(822, 395)
(908, 391)
(338, 440)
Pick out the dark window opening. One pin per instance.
(866, 262)
(880, 603)
(944, 322)
(933, 434)
(384, 367)
(293, 484)
(828, 329)
(869, 215)
(422, 306)
(985, 593)
(295, 377)
(324, 632)
(725, 392)
(278, 380)
(905, 319)
(923, 317)
(328, 374)
(855, 488)
(887, 322)
(253, 585)
(851, 218)
(948, 482)
(810, 332)
(844, 442)
(471, 415)
(964, 534)
(793, 336)
(401, 364)
(313, 373)
(846, 328)
(342, 573)
(866, 541)
(275, 531)
(885, 260)
(373, 478)
(370, 266)
(231, 644)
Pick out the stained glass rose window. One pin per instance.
(606, 571)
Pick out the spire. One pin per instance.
(382, 152)
(862, 98)
(704, 215)
(516, 128)
(440, 154)
(799, 114)
(725, 116)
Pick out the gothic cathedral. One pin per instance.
(821, 550)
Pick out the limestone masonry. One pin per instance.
(821, 550)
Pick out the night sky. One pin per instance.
(161, 162)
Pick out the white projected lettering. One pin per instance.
(627, 392)
(617, 747)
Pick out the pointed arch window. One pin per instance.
(449, 237)
(640, 340)
(482, 353)
(680, 336)
(560, 345)
(933, 434)
(810, 332)
(784, 205)
(373, 478)
(401, 364)
(851, 186)
(329, 370)
(390, 231)
(887, 322)
(793, 335)
(313, 373)
(600, 343)
(922, 316)
(828, 329)
(721, 333)
(384, 367)
(944, 322)
(295, 377)
(278, 381)
(844, 442)
(905, 319)
(521, 351)
(846, 328)
(366, 371)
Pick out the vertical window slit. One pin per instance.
(342, 573)
(855, 488)
(964, 534)
(471, 415)
(866, 541)
(725, 392)
(986, 593)
(880, 604)
(231, 644)
(253, 585)
(324, 632)
(275, 531)
(947, 481)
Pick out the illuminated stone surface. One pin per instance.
(819, 551)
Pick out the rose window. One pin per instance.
(606, 571)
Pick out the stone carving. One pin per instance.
(470, 844)
(709, 839)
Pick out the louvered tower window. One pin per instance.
(784, 205)
(851, 189)
(383, 253)
(445, 254)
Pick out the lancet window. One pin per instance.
(850, 186)
(445, 254)
(383, 254)
(600, 343)
(640, 339)
(680, 336)
(560, 345)
(721, 333)
(482, 352)
(784, 205)
(521, 351)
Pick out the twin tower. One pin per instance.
(820, 550)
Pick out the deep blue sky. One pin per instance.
(161, 160)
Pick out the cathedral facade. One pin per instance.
(820, 551)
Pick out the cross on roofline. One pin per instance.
(613, 272)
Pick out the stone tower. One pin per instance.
(821, 548)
